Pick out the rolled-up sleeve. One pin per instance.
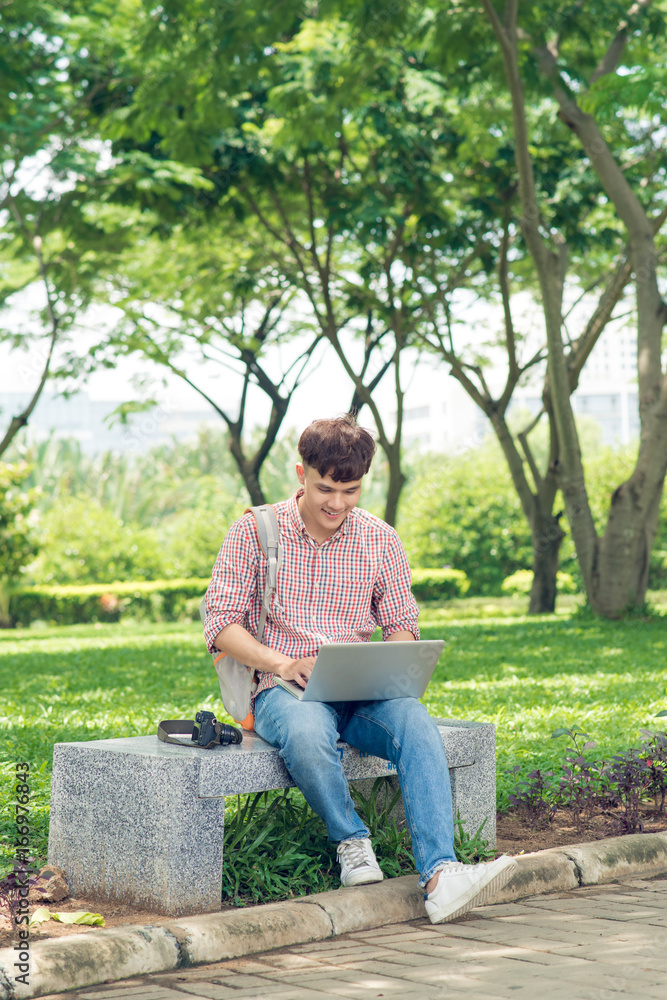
(232, 592)
(394, 603)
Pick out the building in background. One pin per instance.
(607, 390)
(440, 416)
(87, 421)
(438, 413)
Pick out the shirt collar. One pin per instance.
(295, 518)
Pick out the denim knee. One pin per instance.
(311, 743)
(297, 725)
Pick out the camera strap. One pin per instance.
(167, 729)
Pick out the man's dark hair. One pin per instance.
(338, 447)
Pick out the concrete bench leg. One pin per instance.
(132, 829)
(473, 784)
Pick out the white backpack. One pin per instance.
(237, 681)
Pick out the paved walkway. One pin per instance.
(597, 943)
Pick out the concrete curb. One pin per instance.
(60, 964)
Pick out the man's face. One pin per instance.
(325, 503)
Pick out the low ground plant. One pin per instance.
(586, 786)
(655, 745)
(471, 848)
(533, 798)
(582, 782)
(276, 848)
(627, 777)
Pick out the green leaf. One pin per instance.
(39, 916)
(79, 917)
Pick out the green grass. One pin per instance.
(531, 675)
(527, 675)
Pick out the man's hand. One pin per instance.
(297, 670)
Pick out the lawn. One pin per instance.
(526, 675)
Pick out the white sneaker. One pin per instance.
(358, 864)
(460, 887)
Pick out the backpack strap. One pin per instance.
(267, 531)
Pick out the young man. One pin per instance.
(343, 573)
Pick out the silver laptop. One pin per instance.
(369, 671)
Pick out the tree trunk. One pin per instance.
(547, 536)
(624, 552)
(247, 468)
(545, 528)
(5, 617)
(256, 492)
(615, 567)
(397, 481)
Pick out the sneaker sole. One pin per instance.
(478, 895)
(362, 878)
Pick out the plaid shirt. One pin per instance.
(338, 591)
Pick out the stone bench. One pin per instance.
(138, 821)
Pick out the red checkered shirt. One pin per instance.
(337, 591)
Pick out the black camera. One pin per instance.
(207, 731)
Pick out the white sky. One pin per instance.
(326, 391)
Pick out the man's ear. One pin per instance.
(300, 473)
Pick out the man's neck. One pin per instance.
(318, 534)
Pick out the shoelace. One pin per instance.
(457, 867)
(355, 851)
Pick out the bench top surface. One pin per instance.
(253, 765)
(456, 735)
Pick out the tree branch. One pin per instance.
(22, 419)
(612, 57)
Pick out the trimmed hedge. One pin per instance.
(439, 584)
(167, 600)
(521, 582)
(158, 600)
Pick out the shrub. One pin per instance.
(159, 600)
(534, 797)
(595, 787)
(86, 543)
(17, 540)
(439, 584)
(521, 582)
(192, 537)
(165, 600)
(464, 512)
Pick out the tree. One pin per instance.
(370, 158)
(327, 203)
(449, 49)
(200, 298)
(57, 231)
(576, 74)
(536, 484)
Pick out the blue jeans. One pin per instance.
(399, 730)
